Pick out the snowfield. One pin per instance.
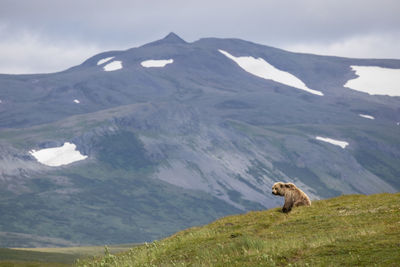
(375, 80)
(115, 65)
(57, 156)
(104, 60)
(261, 68)
(342, 144)
(367, 116)
(156, 63)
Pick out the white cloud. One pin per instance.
(361, 46)
(31, 53)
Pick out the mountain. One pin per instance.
(131, 146)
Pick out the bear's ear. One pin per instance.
(289, 185)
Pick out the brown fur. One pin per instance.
(293, 195)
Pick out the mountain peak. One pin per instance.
(173, 38)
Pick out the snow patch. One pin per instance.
(367, 116)
(77, 101)
(156, 63)
(342, 144)
(104, 60)
(115, 65)
(57, 156)
(261, 68)
(375, 80)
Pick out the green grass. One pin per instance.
(13, 257)
(351, 230)
(63, 256)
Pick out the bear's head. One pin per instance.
(280, 188)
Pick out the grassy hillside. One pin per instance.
(52, 257)
(17, 258)
(351, 230)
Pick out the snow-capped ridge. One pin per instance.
(58, 156)
(367, 116)
(342, 144)
(375, 80)
(115, 65)
(158, 63)
(104, 60)
(261, 68)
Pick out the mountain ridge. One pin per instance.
(202, 128)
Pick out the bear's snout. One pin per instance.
(274, 192)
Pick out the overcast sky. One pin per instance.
(51, 35)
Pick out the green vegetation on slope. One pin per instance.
(52, 257)
(13, 257)
(123, 208)
(348, 230)
(122, 151)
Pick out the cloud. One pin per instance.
(31, 53)
(133, 20)
(363, 46)
(48, 35)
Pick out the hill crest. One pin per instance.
(347, 230)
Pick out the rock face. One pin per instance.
(192, 139)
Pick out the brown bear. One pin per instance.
(293, 195)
